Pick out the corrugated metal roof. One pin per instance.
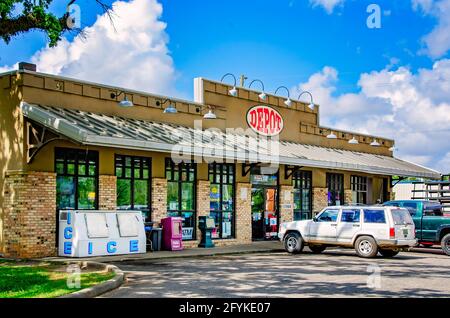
(102, 130)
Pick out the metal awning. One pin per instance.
(111, 131)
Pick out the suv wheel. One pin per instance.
(317, 249)
(445, 244)
(388, 253)
(365, 246)
(293, 243)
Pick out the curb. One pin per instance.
(101, 288)
(147, 259)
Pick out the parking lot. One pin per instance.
(335, 273)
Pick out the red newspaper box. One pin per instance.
(172, 233)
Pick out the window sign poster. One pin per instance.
(273, 221)
(226, 229)
(187, 233)
(173, 205)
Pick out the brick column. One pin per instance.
(159, 199)
(286, 203)
(348, 197)
(107, 192)
(29, 214)
(320, 199)
(203, 190)
(243, 222)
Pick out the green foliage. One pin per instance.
(33, 15)
(26, 281)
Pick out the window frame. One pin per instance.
(336, 179)
(133, 178)
(213, 171)
(359, 184)
(375, 210)
(77, 153)
(171, 166)
(300, 178)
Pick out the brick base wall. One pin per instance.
(243, 224)
(159, 200)
(203, 189)
(29, 214)
(348, 197)
(107, 192)
(320, 199)
(286, 203)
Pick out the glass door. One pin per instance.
(264, 213)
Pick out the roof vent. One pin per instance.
(23, 66)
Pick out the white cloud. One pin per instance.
(328, 5)
(437, 42)
(132, 53)
(412, 108)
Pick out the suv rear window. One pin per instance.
(401, 216)
(374, 216)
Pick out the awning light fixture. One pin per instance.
(311, 104)
(263, 95)
(375, 143)
(125, 103)
(171, 109)
(233, 92)
(288, 101)
(332, 136)
(353, 141)
(210, 114)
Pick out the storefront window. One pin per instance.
(335, 185)
(181, 194)
(133, 184)
(77, 179)
(359, 189)
(302, 181)
(221, 177)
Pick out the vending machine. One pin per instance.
(172, 233)
(97, 233)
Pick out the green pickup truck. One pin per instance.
(432, 227)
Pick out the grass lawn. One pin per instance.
(41, 280)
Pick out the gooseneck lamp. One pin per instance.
(263, 95)
(233, 92)
(288, 101)
(311, 104)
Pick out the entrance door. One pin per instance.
(264, 213)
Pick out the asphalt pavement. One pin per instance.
(334, 273)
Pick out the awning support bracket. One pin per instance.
(290, 170)
(247, 167)
(37, 138)
(400, 179)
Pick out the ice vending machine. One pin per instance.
(95, 233)
(172, 233)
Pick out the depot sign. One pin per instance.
(265, 120)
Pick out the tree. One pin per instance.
(35, 15)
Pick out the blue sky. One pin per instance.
(279, 42)
(390, 81)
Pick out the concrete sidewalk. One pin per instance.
(255, 247)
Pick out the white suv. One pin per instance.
(369, 229)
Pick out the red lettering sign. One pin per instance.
(265, 120)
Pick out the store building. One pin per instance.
(68, 144)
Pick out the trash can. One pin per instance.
(156, 237)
